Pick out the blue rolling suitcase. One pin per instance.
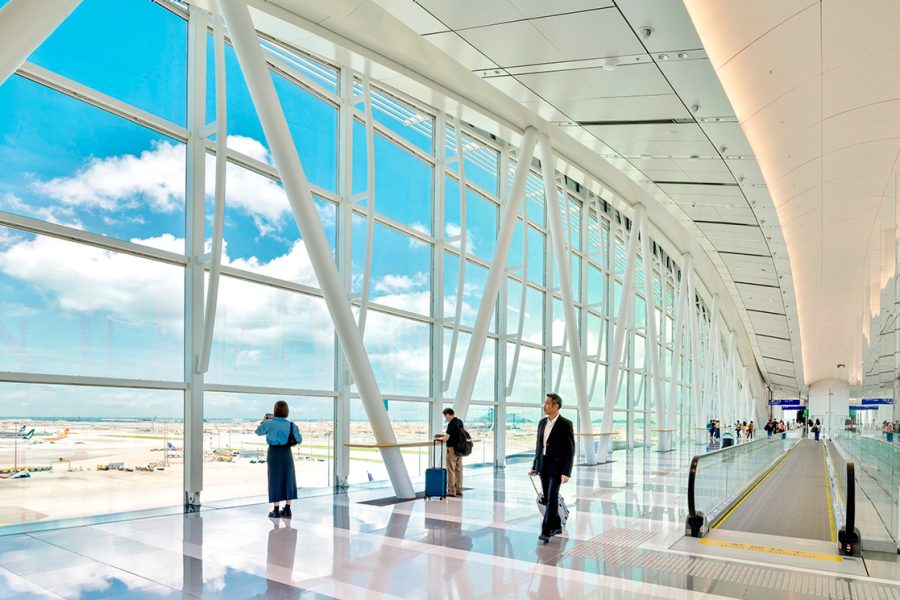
(436, 477)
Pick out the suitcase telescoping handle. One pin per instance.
(437, 451)
(534, 485)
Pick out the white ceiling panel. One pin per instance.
(513, 88)
(766, 324)
(624, 109)
(761, 297)
(461, 50)
(633, 80)
(779, 367)
(752, 269)
(696, 82)
(728, 134)
(413, 14)
(531, 9)
(662, 141)
(590, 34)
(775, 347)
(735, 238)
(672, 27)
(460, 14)
(513, 44)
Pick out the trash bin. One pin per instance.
(727, 440)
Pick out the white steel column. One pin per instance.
(682, 306)
(212, 290)
(652, 343)
(729, 399)
(287, 161)
(563, 267)
(496, 275)
(24, 25)
(615, 357)
(698, 435)
(195, 196)
(711, 362)
(344, 230)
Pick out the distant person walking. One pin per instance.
(817, 428)
(281, 435)
(554, 454)
(454, 439)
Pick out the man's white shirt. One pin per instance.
(547, 428)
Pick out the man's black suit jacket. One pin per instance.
(560, 448)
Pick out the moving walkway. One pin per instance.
(777, 486)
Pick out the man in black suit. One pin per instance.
(554, 454)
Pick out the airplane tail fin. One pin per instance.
(28, 435)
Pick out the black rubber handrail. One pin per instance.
(849, 538)
(851, 496)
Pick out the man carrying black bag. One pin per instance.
(554, 454)
(459, 444)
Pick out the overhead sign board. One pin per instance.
(786, 402)
(877, 401)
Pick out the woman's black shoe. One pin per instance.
(275, 513)
(286, 512)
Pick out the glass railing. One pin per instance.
(880, 460)
(719, 478)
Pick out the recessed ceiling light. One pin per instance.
(646, 31)
(663, 56)
(682, 55)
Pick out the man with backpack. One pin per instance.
(459, 444)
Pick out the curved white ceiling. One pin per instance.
(816, 90)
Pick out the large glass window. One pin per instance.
(74, 309)
(69, 163)
(234, 456)
(271, 337)
(122, 448)
(136, 53)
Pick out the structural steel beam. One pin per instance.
(615, 358)
(296, 186)
(28, 24)
(652, 351)
(563, 268)
(496, 275)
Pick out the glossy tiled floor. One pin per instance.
(481, 546)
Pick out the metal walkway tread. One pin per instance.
(792, 500)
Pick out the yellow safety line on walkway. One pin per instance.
(828, 495)
(721, 519)
(773, 550)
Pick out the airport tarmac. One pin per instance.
(74, 487)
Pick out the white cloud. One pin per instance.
(400, 283)
(253, 321)
(60, 215)
(156, 179)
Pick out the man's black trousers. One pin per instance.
(551, 479)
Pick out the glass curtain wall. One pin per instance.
(94, 214)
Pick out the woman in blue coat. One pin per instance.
(281, 435)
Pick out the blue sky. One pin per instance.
(72, 309)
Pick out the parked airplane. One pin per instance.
(172, 448)
(17, 434)
(55, 438)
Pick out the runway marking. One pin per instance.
(772, 550)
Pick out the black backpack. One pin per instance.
(292, 440)
(464, 446)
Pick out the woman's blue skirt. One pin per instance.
(282, 479)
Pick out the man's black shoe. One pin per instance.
(556, 532)
(544, 538)
(275, 513)
(286, 512)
